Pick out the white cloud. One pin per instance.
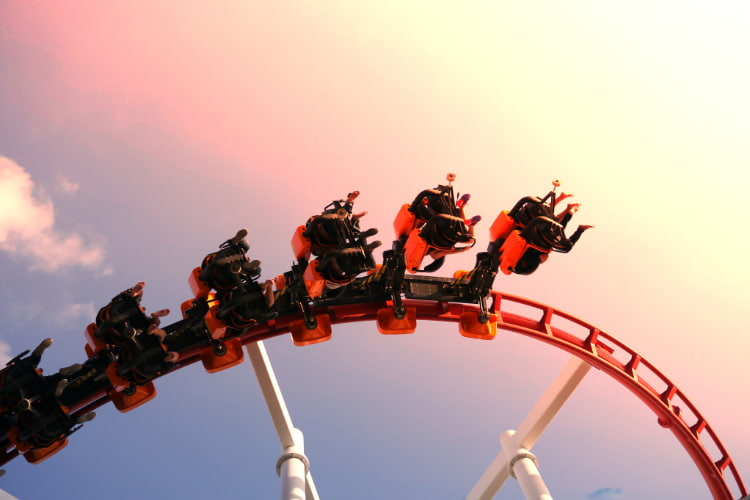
(4, 353)
(57, 315)
(76, 311)
(27, 225)
(107, 271)
(66, 186)
(607, 494)
(20, 314)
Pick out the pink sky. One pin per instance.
(640, 109)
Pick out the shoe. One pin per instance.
(473, 221)
(463, 200)
(70, 369)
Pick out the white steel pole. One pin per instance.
(523, 466)
(293, 466)
(532, 427)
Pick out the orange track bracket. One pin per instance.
(389, 324)
(301, 335)
(126, 402)
(470, 326)
(36, 456)
(233, 356)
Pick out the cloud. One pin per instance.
(76, 311)
(66, 186)
(607, 494)
(53, 314)
(4, 353)
(20, 314)
(27, 225)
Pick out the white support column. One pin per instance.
(531, 429)
(523, 466)
(293, 467)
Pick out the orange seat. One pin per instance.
(502, 226)
(216, 326)
(94, 344)
(199, 287)
(405, 221)
(415, 251)
(118, 382)
(314, 281)
(301, 245)
(513, 248)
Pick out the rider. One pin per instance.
(442, 222)
(124, 317)
(347, 204)
(542, 229)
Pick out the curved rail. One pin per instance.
(601, 350)
(605, 352)
(596, 347)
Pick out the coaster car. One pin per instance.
(246, 305)
(135, 342)
(43, 426)
(434, 224)
(123, 318)
(242, 301)
(230, 266)
(36, 423)
(237, 302)
(523, 237)
(331, 250)
(18, 374)
(340, 248)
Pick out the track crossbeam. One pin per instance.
(530, 430)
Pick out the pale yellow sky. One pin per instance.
(640, 108)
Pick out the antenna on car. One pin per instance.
(551, 194)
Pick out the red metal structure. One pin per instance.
(598, 348)
(127, 350)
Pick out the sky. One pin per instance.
(135, 137)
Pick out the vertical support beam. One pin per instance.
(523, 466)
(531, 428)
(293, 467)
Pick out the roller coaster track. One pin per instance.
(673, 409)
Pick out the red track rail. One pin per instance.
(599, 349)
(611, 356)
